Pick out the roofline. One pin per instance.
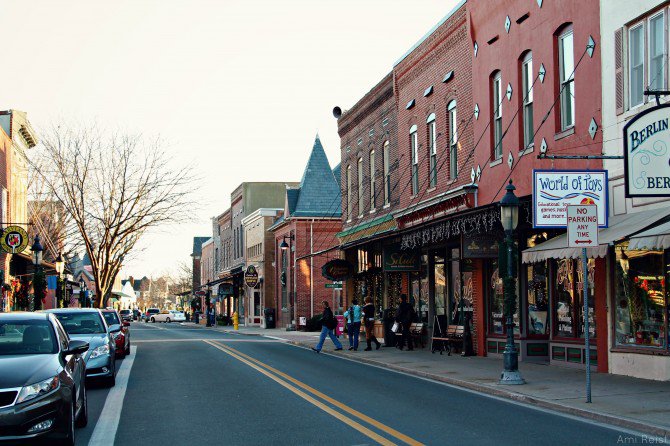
(261, 212)
(431, 31)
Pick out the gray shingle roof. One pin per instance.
(319, 194)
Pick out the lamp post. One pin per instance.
(293, 311)
(60, 267)
(509, 217)
(37, 282)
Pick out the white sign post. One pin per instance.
(583, 233)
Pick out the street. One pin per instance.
(190, 385)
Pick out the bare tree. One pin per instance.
(113, 188)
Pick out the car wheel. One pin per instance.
(167, 320)
(82, 419)
(153, 321)
(69, 429)
(111, 381)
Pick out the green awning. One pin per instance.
(373, 227)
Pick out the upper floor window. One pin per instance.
(414, 149)
(636, 63)
(453, 139)
(432, 149)
(527, 92)
(496, 89)
(360, 187)
(349, 205)
(387, 173)
(656, 52)
(566, 68)
(373, 201)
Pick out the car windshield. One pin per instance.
(27, 338)
(153, 310)
(110, 317)
(81, 323)
(125, 311)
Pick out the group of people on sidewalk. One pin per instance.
(357, 315)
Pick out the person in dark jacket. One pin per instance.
(369, 322)
(404, 315)
(329, 323)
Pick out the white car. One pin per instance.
(168, 316)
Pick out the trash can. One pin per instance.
(388, 316)
(270, 321)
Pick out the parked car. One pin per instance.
(168, 316)
(150, 312)
(42, 379)
(126, 315)
(121, 338)
(88, 324)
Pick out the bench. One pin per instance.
(416, 330)
(450, 339)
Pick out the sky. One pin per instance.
(237, 88)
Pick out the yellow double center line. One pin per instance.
(283, 379)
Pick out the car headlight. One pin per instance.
(38, 389)
(99, 351)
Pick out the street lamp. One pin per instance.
(509, 217)
(37, 251)
(60, 267)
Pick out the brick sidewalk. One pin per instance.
(632, 403)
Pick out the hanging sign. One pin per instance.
(582, 226)
(396, 260)
(225, 289)
(251, 276)
(555, 190)
(337, 269)
(14, 239)
(646, 153)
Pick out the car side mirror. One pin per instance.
(114, 328)
(126, 324)
(76, 347)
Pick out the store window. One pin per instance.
(537, 291)
(497, 319)
(440, 271)
(641, 298)
(569, 306)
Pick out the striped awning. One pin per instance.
(373, 227)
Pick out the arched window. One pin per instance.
(373, 201)
(349, 206)
(432, 148)
(453, 139)
(496, 117)
(414, 150)
(387, 173)
(527, 98)
(566, 68)
(360, 187)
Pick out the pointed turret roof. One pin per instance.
(319, 194)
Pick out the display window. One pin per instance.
(569, 301)
(420, 290)
(497, 302)
(641, 298)
(537, 287)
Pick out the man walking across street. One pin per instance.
(329, 323)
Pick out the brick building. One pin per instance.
(309, 224)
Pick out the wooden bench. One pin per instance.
(450, 339)
(416, 330)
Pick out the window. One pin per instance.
(453, 140)
(527, 92)
(497, 316)
(387, 173)
(414, 148)
(569, 299)
(636, 76)
(566, 67)
(360, 187)
(641, 303)
(349, 207)
(656, 52)
(432, 149)
(373, 201)
(497, 116)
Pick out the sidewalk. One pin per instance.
(637, 404)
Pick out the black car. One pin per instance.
(42, 379)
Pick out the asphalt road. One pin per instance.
(187, 385)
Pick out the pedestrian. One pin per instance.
(353, 318)
(404, 315)
(369, 320)
(328, 324)
(208, 314)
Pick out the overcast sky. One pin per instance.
(239, 88)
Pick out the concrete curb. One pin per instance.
(600, 417)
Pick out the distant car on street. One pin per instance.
(42, 380)
(88, 324)
(126, 315)
(121, 338)
(150, 312)
(168, 316)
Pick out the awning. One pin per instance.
(374, 227)
(620, 228)
(657, 237)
